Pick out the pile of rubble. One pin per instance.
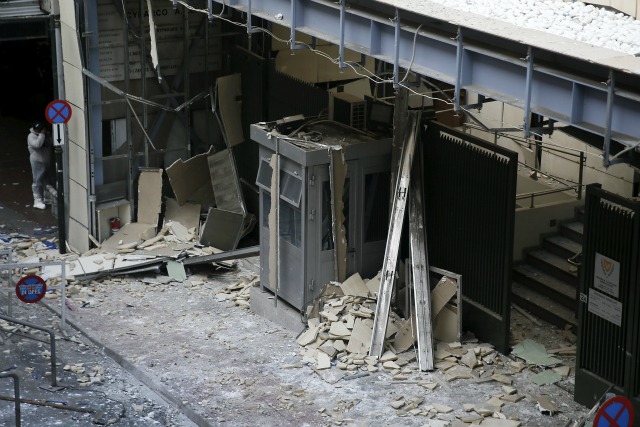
(337, 341)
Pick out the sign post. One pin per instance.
(58, 112)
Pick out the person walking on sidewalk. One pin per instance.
(40, 157)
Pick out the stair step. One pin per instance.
(543, 307)
(553, 265)
(543, 283)
(573, 230)
(562, 246)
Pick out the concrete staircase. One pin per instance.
(545, 283)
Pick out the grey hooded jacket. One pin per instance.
(39, 147)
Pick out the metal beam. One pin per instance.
(559, 88)
(387, 276)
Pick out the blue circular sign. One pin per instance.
(615, 412)
(58, 111)
(31, 288)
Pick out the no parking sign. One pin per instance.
(615, 412)
(31, 288)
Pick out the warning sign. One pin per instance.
(606, 276)
(605, 307)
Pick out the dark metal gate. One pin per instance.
(470, 189)
(608, 321)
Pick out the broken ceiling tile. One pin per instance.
(509, 390)
(187, 214)
(324, 361)
(502, 378)
(308, 336)
(545, 377)
(388, 356)
(225, 182)
(229, 90)
(442, 294)
(176, 270)
(545, 405)
(190, 179)
(339, 330)
(444, 365)
(405, 337)
(534, 353)
(512, 398)
(397, 404)
(445, 326)
(563, 371)
(495, 402)
(331, 317)
(328, 349)
(339, 345)
(390, 365)
(222, 229)
(442, 409)
(495, 422)
(360, 340)
(470, 359)
(354, 285)
(149, 196)
(468, 407)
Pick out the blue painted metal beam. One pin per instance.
(555, 91)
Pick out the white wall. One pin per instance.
(76, 149)
(616, 179)
(630, 7)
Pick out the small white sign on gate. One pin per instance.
(607, 275)
(605, 307)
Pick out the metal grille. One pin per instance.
(308, 99)
(608, 348)
(470, 199)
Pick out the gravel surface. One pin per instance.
(574, 20)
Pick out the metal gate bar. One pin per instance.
(470, 188)
(607, 354)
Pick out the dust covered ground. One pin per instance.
(183, 353)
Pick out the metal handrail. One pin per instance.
(545, 192)
(52, 343)
(16, 393)
(522, 143)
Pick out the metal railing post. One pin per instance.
(580, 175)
(16, 393)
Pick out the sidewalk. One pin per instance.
(221, 364)
(218, 363)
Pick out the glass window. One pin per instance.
(290, 220)
(290, 183)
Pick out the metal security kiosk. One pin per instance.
(305, 246)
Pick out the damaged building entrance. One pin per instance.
(337, 186)
(27, 69)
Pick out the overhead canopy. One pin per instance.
(590, 88)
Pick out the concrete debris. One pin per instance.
(338, 336)
(336, 342)
(239, 292)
